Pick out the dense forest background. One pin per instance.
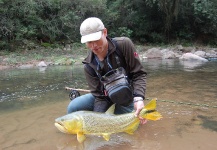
(57, 22)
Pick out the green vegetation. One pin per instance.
(28, 24)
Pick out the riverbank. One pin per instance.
(52, 56)
(70, 55)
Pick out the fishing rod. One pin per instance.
(75, 93)
(79, 90)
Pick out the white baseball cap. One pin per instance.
(91, 29)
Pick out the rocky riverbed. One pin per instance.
(199, 54)
(196, 54)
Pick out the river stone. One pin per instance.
(200, 53)
(192, 57)
(168, 54)
(42, 64)
(212, 54)
(154, 53)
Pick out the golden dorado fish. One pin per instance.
(104, 124)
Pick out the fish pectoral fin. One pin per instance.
(111, 110)
(106, 136)
(80, 137)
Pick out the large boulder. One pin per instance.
(200, 53)
(192, 57)
(191, 61)
(153, 53)
(168, 54)
(212, 54)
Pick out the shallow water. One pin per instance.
(31, 99)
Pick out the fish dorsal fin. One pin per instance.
(106, 136)
(151, 105)
(111, 110)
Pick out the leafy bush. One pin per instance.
(53, 21)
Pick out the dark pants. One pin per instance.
(86, 102)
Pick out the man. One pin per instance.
(102, 57)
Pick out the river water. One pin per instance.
(30, 100)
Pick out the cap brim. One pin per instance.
(91, 37)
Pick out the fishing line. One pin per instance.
(75, 93)
(184, 103)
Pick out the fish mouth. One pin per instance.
(61, 127)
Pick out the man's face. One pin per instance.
(99, 46)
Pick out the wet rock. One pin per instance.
(42, 64)
(200, 53)
(212, 54)
(168, 54)
(187, 50)
(192, 57)
(153, 53)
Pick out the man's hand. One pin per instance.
(138, 106)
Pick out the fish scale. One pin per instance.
(106, 123)
(89, 122)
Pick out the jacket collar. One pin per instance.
(90, 57)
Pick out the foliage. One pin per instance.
(122, 31)
(206, 18)
(54, 22)
(44, 21)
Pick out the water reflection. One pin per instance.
(21, 87)
(95, 143)
(30, 100)
(191, 65)
(155, 64)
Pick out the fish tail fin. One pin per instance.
(151, 105)
(149, 112)
(152, 116)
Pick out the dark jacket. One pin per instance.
(129, 60)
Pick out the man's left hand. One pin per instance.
(138, 106)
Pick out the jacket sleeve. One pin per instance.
(137, 73)
(101, 103)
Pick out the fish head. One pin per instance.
(70, 124)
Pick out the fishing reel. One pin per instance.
(73, 94)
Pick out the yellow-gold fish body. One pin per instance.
(104, 124)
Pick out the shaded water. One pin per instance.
(31, 99)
